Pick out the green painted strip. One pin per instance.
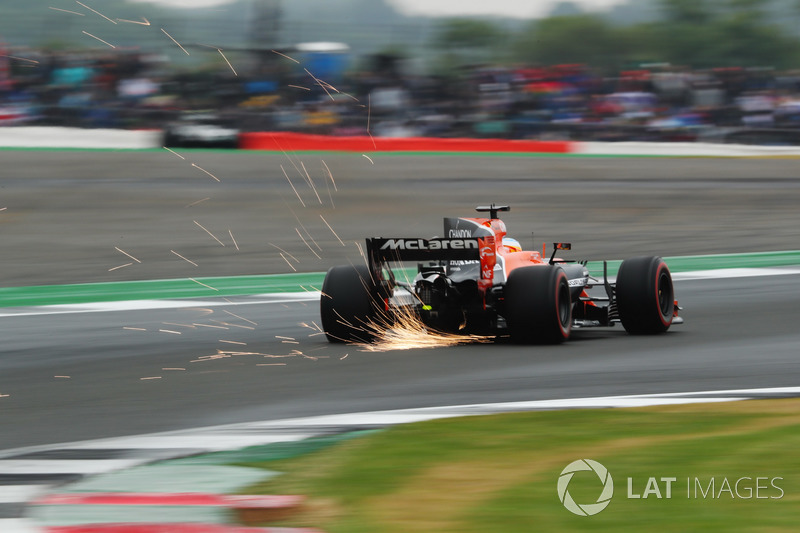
(158, 289)
(278, 283)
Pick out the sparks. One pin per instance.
(212, 235)
(239, 317)
(206, 171)
(310, 182)
(296, 260)
(175, 368)
(404, 330)
(126, 253)
(20, 59)
(236, 325)
(68, 11)
(174, 152)
(187, 260)
(287, 261)
(151, 377)
(306, 243)
(145, 23)
(292, 185)
(198, 202)
(344, 356)
(330, 228)
(98, 38)
(174, 41)
(209, 326)
(235, 244)
(203, 284)
(320, 83)
(170, 331)
(133, 329)
(120, 266)
(63, 377)
(330, 175)
(300, 87)
(287, 57)
(228, 62)
(233, 342)
(95, 12)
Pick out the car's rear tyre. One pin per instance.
(645, 296)
(538, 308)
(349, 303)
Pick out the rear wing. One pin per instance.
(381, 251)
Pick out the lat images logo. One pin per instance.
(586, 509)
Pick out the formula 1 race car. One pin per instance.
(477, 280)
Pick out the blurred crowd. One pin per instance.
(131, 89)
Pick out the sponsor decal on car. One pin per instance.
(422, 244)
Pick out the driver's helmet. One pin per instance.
(512, 245)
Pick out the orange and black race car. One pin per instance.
(477, 280)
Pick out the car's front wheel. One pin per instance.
(645, 296)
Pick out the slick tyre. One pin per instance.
(349, 302)
(538, 308)
(645, 296)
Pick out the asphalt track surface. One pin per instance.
(79, 376)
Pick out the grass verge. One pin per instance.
(499, 473)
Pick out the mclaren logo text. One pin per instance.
(422, 244)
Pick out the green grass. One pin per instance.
(499, 473)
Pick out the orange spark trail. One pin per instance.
(296, 260)
(299, 87)
(287, 57)
(330, 228)
(126, 253)
(330, 175)
(187, 260)
(292, 184)
(20, 58)
(234, 240)
(310, 182)
(241, 318)
(287, 262)
(306, 243)
(206, 171)
(228, 62)
(319, 82)
(212, 235)
(203, 284)
(174, 41)
(98, 38)
(95, 12)
(174, 152)
(68, 11)
(198, 202)
(145, 23)
(120, 266)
